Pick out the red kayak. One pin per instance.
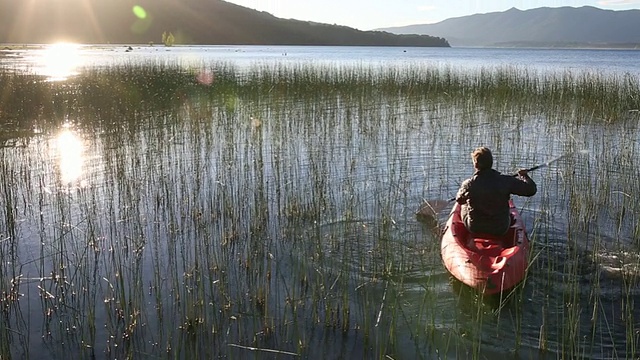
(488, 263)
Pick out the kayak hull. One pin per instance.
(490, 264)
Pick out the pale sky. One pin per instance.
(371, 14)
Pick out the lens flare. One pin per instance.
(143, 20)
(205, 77)
(139, 12)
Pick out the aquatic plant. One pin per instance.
(269, 211)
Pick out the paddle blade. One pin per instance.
(430, 209)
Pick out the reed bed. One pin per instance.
(268, 212)
(591, 95)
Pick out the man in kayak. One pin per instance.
(484, 198)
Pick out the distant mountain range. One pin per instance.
(542, 27)
(189, 21)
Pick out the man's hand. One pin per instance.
(523, 172)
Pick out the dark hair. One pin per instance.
(482, 158)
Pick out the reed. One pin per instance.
(269, 211)
(130, 87)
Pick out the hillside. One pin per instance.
(542, 27)
(191, 21)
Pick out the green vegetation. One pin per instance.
(269, 212)
(586, 96)
(197, 22)
(168, 39)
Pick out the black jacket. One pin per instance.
(485, 200)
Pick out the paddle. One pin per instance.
(430, 210)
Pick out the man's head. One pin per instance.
(482, 158)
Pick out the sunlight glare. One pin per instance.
(60, 61)
(70, 158)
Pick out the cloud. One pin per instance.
(618, 2)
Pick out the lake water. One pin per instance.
(59, 60)
(265, 225)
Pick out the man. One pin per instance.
(484, 198)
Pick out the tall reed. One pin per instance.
(269, 211)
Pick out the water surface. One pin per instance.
(216, 226)
(54, 60)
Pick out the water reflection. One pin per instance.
(69, 155)
(60, 61)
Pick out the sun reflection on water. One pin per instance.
(69, 153)
(60, 61)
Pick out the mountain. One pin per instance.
(563, 27)
(190, 21)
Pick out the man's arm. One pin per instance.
(463, 193)
(523, 185)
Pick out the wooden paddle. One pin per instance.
(429, 211)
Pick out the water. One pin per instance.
(288, 224)
(66, 59)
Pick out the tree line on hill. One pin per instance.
(213, 22)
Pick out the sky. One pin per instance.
(372, 14)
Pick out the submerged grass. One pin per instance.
(269, 212)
